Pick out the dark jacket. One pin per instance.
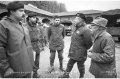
(81, 41)
(56, 35)
(15, 48)
(103, 62)
(34, 32)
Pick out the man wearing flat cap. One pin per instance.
(34, 32)
(16, 55)
(102, 54)
(81, 41)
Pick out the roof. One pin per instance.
(111, 12)
(4, 2)
(74, 13)
(2, 10)
(30, 8)
(66, 22)
(37, 10)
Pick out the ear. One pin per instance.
(12, 12)
(97, 27)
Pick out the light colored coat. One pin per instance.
(15, 48)
(103, 61)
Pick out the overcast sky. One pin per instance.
(77, 5)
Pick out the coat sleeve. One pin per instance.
(108, 54)
(88, 38)
(49, 33)
(63, 33)
(4, 65)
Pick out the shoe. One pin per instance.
(81, 76)
(61, 65)
(82, 72)
(64, 76)
(62, 69)
(51, 69)
(36, 75)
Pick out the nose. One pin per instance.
(74, 21)
(90, 27)
(23, 13)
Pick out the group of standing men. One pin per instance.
(17, 42)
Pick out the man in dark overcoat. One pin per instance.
(16, 54)
(81, 41)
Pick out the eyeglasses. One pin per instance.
(94, 25)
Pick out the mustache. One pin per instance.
(23, 16)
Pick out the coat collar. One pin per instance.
(103, 32)
(31, 24)
(11, 20)
(79, 28)
(56, 25)
(99, 34)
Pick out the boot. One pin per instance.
(81, 76)
(61, 66)
(82, 72)
(65, 75)
(51, 69)
(36, 75)
(62, 69)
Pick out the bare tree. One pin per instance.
(51, 6)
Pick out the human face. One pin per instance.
(94, 28)
(78, 21)
(19, 14)
(33, 19)
(57, 21)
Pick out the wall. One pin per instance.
(71, 17)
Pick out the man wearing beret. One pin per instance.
(16, 56)
(34, 32)
(102, 54)
(81, 41)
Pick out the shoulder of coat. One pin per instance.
(28, 26)
(61, 25)
(106, 35)
(3, 23)
(81, 29)
(86, 29)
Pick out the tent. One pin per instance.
(45, 20)
(112, 16)
(66, 22)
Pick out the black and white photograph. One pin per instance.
(60, 39)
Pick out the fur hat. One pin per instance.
(15, 5)
(100, 22)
